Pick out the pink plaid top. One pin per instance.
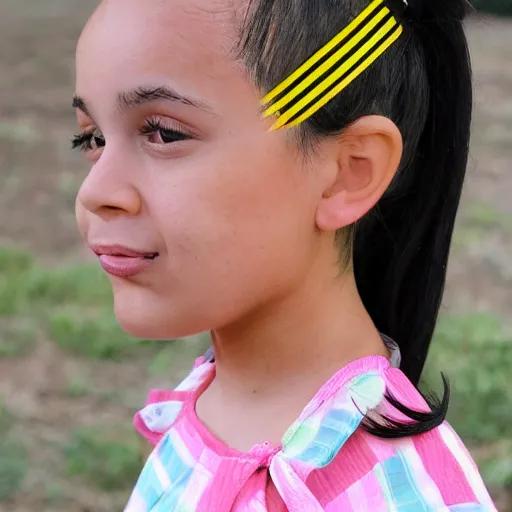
(325, 463)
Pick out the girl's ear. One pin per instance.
(368, 154)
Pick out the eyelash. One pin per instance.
(84, 141)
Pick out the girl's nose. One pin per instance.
(107, 191)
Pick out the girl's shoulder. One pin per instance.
(165, 406)
(430, 471)
(338, 461)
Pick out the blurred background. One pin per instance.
(70, 380)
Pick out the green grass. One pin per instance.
(106, 456)
(79, 284)
(6, 419)
(497, 467)
(179, 353)
(478, 221)
(18, 132)
(72, 305)
(475, 352)
(78, 387)
(55, 495)
(13, 457)
(97, 337)
(484, 216)
(15, 265)
(17, 337)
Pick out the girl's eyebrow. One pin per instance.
(79, 103)
(146, 94)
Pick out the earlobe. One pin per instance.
(339, 211)
(369, 154)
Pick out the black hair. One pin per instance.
(423, 84)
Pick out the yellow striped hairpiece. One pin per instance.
(333, 67)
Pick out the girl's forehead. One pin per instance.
(188, 41)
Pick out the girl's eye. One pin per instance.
(157, 133)
(88, 141)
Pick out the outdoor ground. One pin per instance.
(70, 380)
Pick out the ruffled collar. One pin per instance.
(312, 442)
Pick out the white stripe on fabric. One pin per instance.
(160, 472)
(257, 504)
(386, 491)
(137, 503)
(424, 483)
(462, 457)
(181, 449)
(194, 378)
(357, 497)
(160, 416)
(196, 486)
(294, 492)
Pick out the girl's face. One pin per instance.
(184, 170)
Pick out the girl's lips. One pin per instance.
(124, 266)
(123, 262)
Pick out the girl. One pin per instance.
(284, 174)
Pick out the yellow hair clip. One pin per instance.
(333, 67)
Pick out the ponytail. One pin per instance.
(401, 250)
(423, 84)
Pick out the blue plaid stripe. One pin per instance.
(170, 500)
(177, 470)
(403, 489)
(149, 485)
(337, 426)
(470, 507)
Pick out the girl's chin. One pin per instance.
(148, 325)
(145, 314)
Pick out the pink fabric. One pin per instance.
(326, 462)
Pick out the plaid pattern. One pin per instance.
(325, 463)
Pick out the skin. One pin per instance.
(243, 223)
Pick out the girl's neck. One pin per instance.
(297, 343)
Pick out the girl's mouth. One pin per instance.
(121, 261)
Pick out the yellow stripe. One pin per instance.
(336, 90)
(301, 86)
(366, 48)
(322, 52)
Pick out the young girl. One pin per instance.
(286, 175)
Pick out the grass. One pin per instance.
(497, 467)
(478, 221)
(71, 305)
(13, 457)
(78, 387)
(20, 132)
(17, 337)
(96, 337)
(178, 354)
(475, 352)
(484, 216)
(106, 456)
(55, 494)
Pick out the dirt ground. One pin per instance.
(39, 177)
